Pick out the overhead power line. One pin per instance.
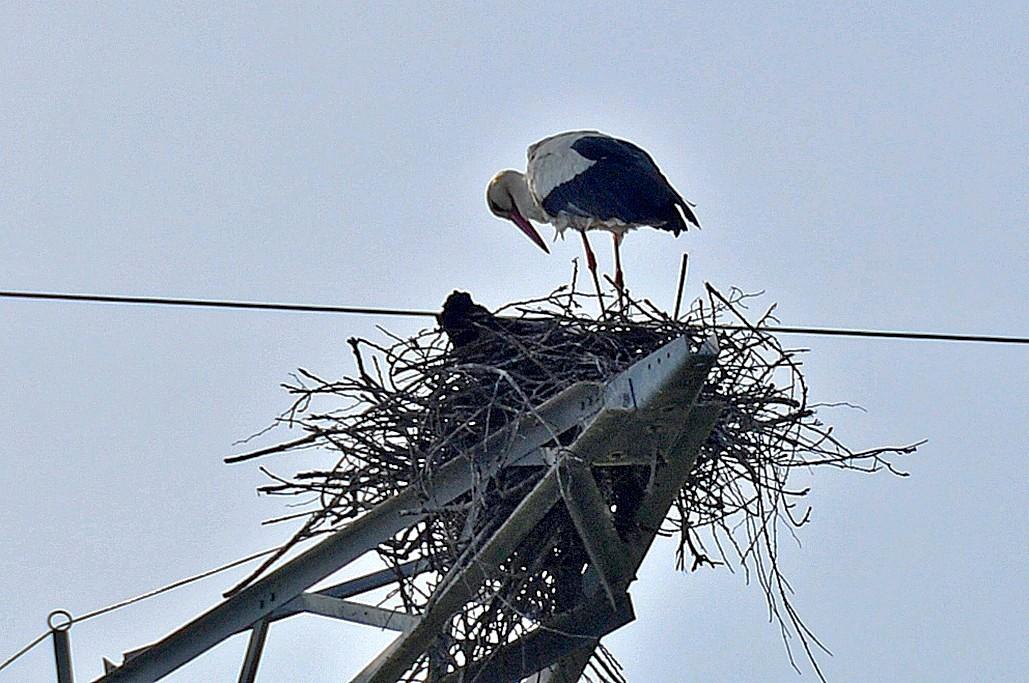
(402, 312)
(209, 303)
(882, 334)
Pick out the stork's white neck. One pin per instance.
(517, 186)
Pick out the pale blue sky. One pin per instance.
(865, 163)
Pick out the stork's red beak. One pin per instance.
(526, 227)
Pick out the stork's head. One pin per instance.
(508, 197)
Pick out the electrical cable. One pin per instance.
(362, 310)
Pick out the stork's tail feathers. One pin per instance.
(683, 217)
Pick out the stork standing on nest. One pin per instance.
(589, 181)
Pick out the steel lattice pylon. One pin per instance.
(646, 414)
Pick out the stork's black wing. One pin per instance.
(623, 183)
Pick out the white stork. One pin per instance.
(589, 181)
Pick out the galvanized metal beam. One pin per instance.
(349, 589)
(255, 647)
(642, 407)
(645, 413)
(368, 615)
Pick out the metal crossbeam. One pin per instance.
(349, 589)
(308, 602)
(368, 615)
(666, 382)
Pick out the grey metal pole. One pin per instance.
(62, 644)
(253, 657)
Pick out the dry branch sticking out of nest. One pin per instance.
(416, 403)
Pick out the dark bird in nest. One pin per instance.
(462, 319)
(471, 327)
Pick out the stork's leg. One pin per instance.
(591, 263)
(619, 281)
(591, 258)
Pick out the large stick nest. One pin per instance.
(416, 403)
